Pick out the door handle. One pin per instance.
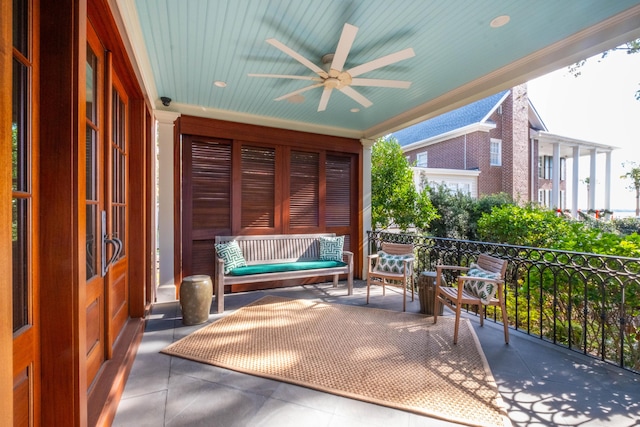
(106, 240)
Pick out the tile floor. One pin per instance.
(541, 384)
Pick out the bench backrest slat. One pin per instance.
(274, 248)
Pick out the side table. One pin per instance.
(427, 292)
(196, 293)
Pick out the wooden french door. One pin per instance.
(107, 298)
(24, 230)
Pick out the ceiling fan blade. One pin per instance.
(286, 76)
(381, 62)
(324, 99)
(295, 92)
(356, 96)
(295, 55)
(398, 84)
(344, 46)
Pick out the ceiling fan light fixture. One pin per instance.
(220, 83)
(500, 21)
(332, 75)
(296, 99)
(327, 59)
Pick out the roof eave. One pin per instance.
(465, 130)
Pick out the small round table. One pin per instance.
(196, 293)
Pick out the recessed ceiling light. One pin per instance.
(499, 21)
(354, 110)
(296, 99)
(220, 83)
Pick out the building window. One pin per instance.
(545, 167)
(422, 160)
(496, 152)
(543, 197)
(563, 168)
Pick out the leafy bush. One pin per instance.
(627, 226)
(522, 225)
(454, 210)
(459, 213)
(484, 205)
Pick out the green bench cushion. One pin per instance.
(287, 266)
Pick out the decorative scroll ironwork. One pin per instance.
(588, 303)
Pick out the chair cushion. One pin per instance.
(231, 254)
(486, 291)
(389, 263)
(331, 248)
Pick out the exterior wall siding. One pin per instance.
(518, 172)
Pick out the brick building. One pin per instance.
(500, 144)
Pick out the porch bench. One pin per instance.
(279, 257)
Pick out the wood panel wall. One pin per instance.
(210, 197)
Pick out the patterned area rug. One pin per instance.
(390, 358)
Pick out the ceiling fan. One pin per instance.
(334, 77)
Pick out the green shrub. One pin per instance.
(522, 225)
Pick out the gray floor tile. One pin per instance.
(278, 413)
(306, 397)
(142, 411)
(194, 402)
(541, 384)
(374, 415)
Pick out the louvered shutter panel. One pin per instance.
(303, 189)
(211, 185)
(258, 187)
(339, 192)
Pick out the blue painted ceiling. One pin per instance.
(183, 46)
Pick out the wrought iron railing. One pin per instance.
(588, 303)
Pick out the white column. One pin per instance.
(165, 241)
(555, 177)
(574, 181)
(607, 182)
(592, 180)
(366, 200)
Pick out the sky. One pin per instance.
(597, 106)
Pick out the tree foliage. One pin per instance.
(539, 227)
(454, 213)
(633, 174)
(630, 47)
(394, 197)
(459, 213)
(522, 225)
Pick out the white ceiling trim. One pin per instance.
(126, 12)
(605, 35)
(252, 119)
